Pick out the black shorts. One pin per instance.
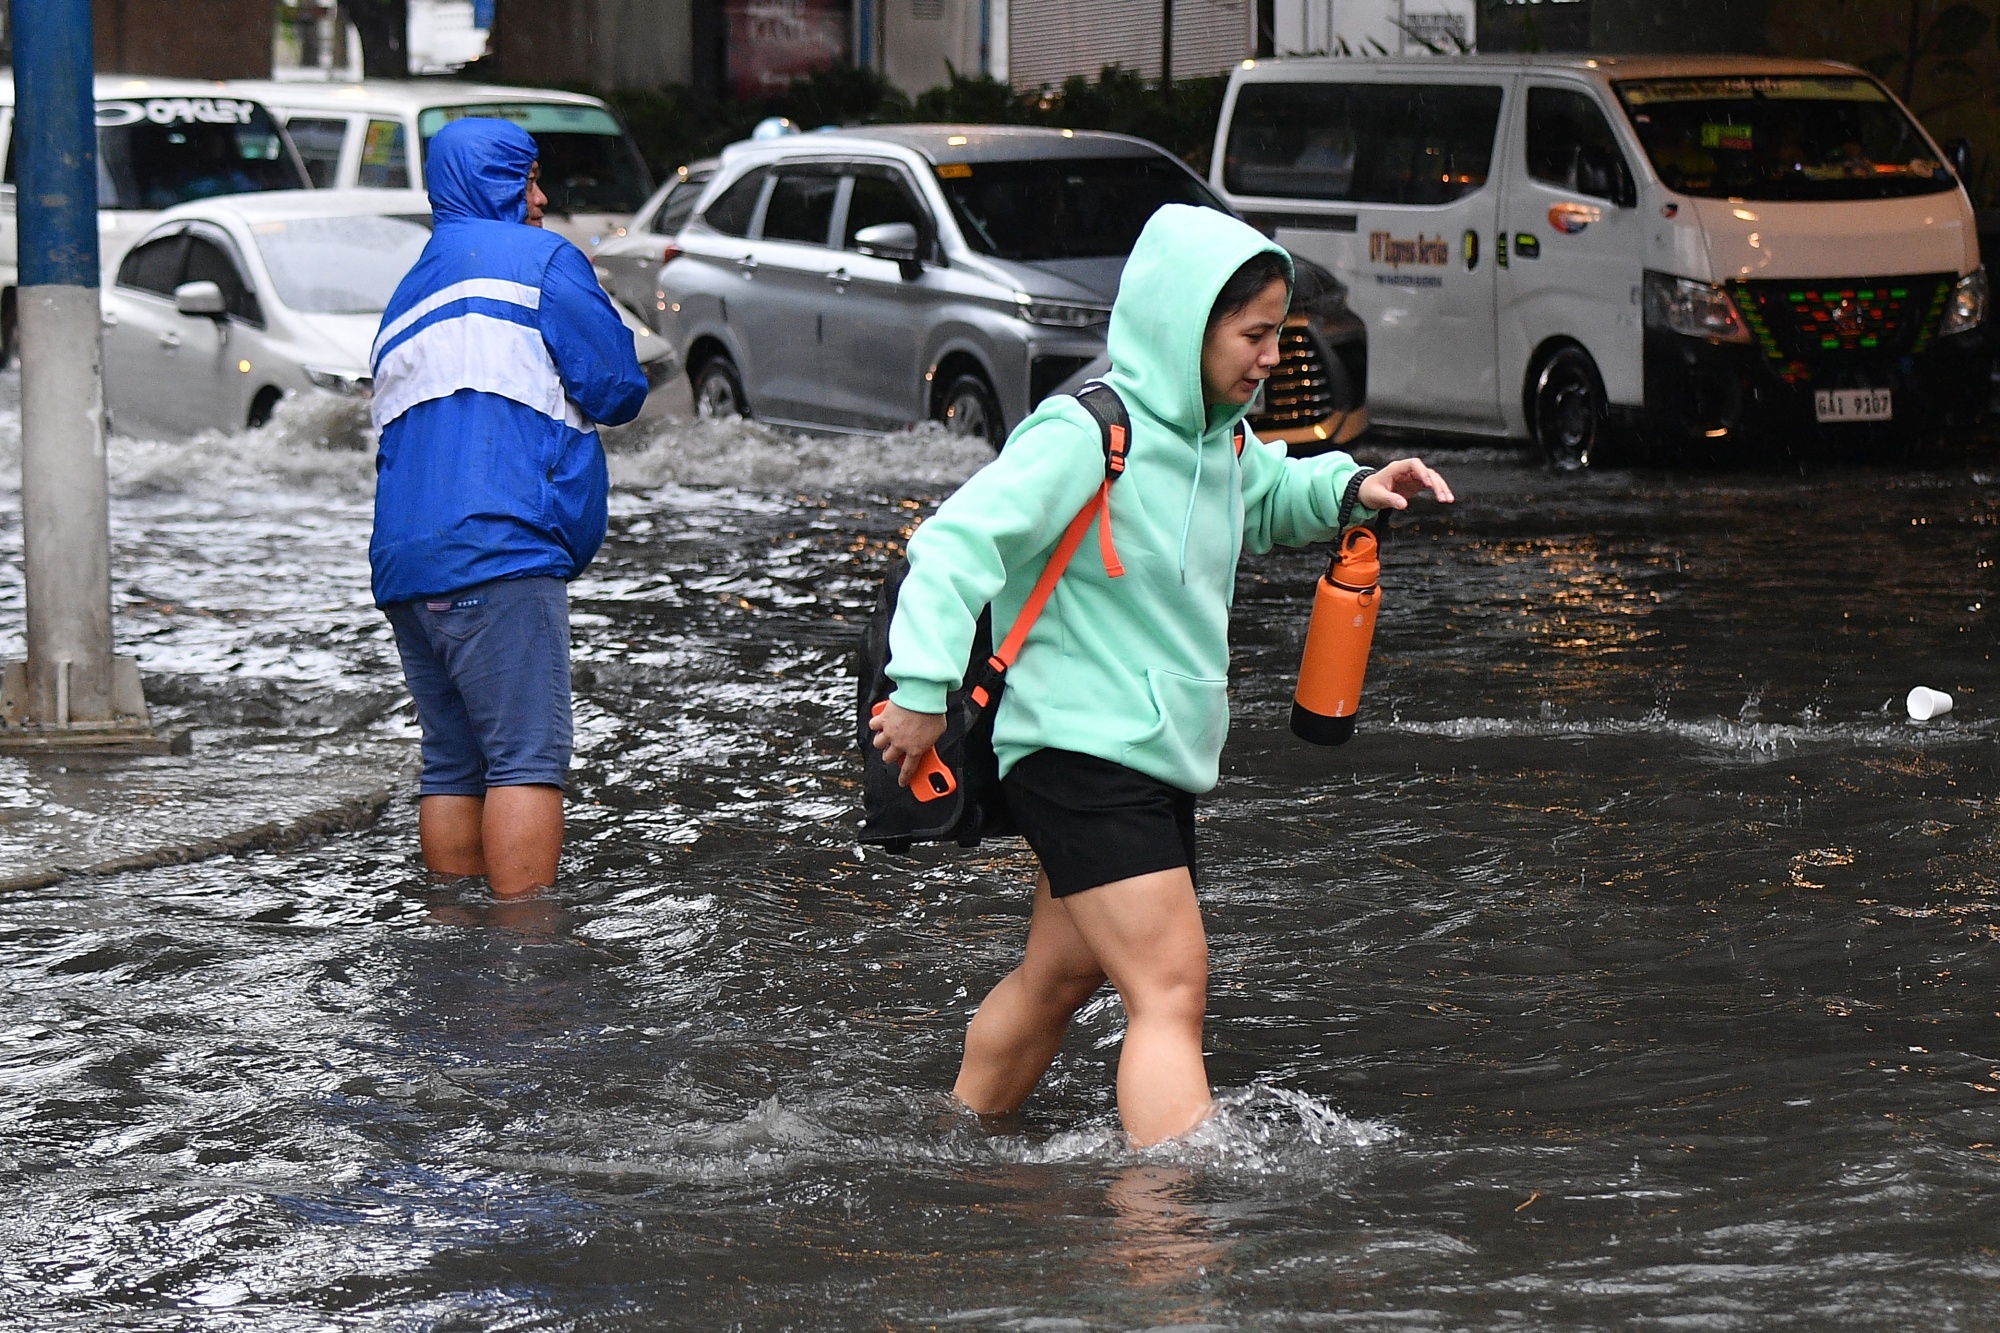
(1094, 822)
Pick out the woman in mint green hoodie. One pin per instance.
(1114, 715)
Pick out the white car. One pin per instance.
(376, 135)
(159, 142)
(229, 305)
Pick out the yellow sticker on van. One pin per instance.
(954, 171)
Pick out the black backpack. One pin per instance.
(892, 816)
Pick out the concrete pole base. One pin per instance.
(129, 729)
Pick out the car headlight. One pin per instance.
(346, 383)
(1694, 309)
(1062, 314)
(1967, 309)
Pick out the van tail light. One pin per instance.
(669, 253)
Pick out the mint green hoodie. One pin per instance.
(1132, 669)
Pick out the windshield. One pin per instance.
(164, 151)
(1781, 138)
(588, 164)
(342, 265)
(1064, 208)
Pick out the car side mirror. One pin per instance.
(891, 240)
(200, 298)
(1958, 152)
(1601, 172)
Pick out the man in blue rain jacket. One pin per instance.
(497, 356)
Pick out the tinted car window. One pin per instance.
(1361, 142)
(734, 208)
(1570, 144)
(674, 213)
(385, 157)
(318, 141)
(1766, 137)
(209, 262)
(589, 163)
(1064, 208)
(155, 266)
(801, 207)
(168, 150)
(879, 197)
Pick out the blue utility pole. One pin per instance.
(71, 685)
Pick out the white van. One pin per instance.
(371, 135)
(160, 142)
(1713, 247)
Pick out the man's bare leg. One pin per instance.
(512, 835)
(1019, 1028)
(448, 828)
(522, 834)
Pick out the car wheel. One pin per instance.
(261, 407)
(718, 390)
(968, 409)
(1569, 410)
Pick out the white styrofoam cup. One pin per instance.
(1926, 703)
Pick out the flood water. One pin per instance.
(1636, 966)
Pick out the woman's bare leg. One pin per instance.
(1020, 1025)
(1146, 935)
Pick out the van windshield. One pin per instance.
(1064, 207)
(155, 152)
(1781, 138)
(588, 163)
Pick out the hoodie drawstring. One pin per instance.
(1187, 519)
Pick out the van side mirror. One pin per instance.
(1601, 172)
(200, 298)
(1958, 152)
(891, 240)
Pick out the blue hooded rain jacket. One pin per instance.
(497, 355)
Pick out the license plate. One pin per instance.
(1852, 404)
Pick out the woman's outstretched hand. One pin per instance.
(1395, 484)
(904, 737)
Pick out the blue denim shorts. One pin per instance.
(489, 669)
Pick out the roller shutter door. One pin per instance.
(1049, 40)
(1210, 36)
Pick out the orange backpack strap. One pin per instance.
(1115, 433)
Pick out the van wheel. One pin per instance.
(718, 390)
(1567, 410)
(968, 409)
(261, 407)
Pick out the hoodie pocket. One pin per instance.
(1193, 720)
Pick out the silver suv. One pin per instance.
(877, 277)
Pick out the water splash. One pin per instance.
(1744, 739)
(752, 456)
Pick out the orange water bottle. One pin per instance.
(1337, 641)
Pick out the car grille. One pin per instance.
(1800, 322)
(1301, 392)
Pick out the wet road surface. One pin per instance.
(1634, 967)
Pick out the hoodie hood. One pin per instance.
(1177, 268)
(478, 168)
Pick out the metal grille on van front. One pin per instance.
(1795, 322)
(1300, 393)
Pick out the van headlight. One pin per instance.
(1967, 308)
(1061, 314)
(346, 383)
(1693, 309)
